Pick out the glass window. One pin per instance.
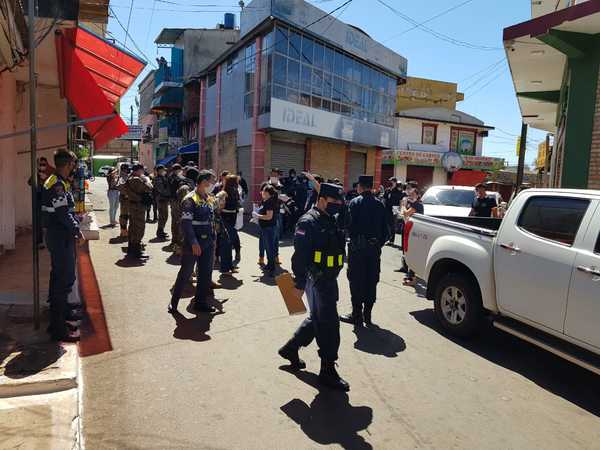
(356, 76)
(305, 99)
(295, 45)
(597, 248)
(248, 105)
(293, 79)
(292, 95)
(338, 88)
(336, 107)
(281, 40)
(307, 50)
(347, 92)
(316, 102)
(328, 59)
(280, 92)
(428, 134)
(338, 64)
(553, 218)
(348, 67)
(318, 55)
(267, 43)
(317, 82)
(279, 69)
(306, 78)
(391, 87)
(326, 105)
(327, 85)
(357, 95)
(346, 110)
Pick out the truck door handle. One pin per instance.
(511, 247)
(589, 270)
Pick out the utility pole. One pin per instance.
(35, 217)
(130, 125)
(522, 148)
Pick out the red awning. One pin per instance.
(94, 75)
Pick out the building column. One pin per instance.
(259, 137)
(217, 143)
(307, 153)
(202, 125)
(8, 161)
(378, 158)
(347, 167)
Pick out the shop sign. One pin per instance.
(437, 159)
(452, 161)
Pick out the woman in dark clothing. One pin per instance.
(413, 206)
(229, 239)
(267, 220)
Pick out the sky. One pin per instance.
(463, 44)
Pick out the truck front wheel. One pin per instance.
(458, 305)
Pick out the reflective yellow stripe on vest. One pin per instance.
(317, 257)
(340, 260)
(330, 261)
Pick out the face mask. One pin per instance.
(274, 180)
(178, 173)
(333, 208)
(162, 173)
(210, 187)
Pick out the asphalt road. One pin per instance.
(217, 382)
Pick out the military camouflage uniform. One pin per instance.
(123, 205)
(135, 189)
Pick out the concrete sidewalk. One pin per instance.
(39, 398)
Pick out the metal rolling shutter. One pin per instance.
(286, 156)
(357, 166)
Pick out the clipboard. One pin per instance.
(294, 305)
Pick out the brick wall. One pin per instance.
(327, 159)
(594, 170)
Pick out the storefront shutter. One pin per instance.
(357, 166)
(286, 156)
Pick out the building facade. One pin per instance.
(300, 90)
(555, 61)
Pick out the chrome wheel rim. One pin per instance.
(454, 305)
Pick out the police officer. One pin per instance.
(198, 224)
(368, 231)
(319, 248)
(138, 188)
(393, 197)
(123, 200)
(163, 195)
(176, 179)
(58, 209)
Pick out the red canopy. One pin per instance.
(94, 75)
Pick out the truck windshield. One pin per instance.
(450, 197)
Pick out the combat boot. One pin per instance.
(172, 308)
(123, 233)
(355, 317)
(291, 354)
(367, 315)
(329, 377)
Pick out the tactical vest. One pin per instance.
(330, 250)
(49, 206)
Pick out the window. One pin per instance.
(279, 69)
(327, 85)
(338, 64)
(295, 45)
(281, 40)
(428, 134)
(280, 92)
(306, 78)
(293, 79)
(328, 58)
(307, 50)
(212, 78)
(317, 82)
(318, 55)
(553, 218)
(597, 249)
(231, 62)
(463, 141)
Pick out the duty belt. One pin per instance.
(200, 222)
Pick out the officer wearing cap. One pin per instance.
(198, 224)
(138, 189)
(163, 195)
(123, 200)
(319, 249)
(176, 179)
(368, 232)
(58, 212)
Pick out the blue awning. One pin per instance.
(166, 161)
(190, 148)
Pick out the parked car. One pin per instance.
(535, 273)
(451, 201)
(104, 171)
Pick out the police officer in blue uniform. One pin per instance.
(319, 249)
(58, 209)
(198, 224)
(368, 231)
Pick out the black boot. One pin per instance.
(355, 317)
(329, 377)
(238, 256)
(172, 308)
(291, 354)
(367, 315)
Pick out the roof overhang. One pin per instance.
(537, 52)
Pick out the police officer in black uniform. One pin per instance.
(368, 231)
(58, 209)
(319, 248)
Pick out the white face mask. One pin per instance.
(274, 180)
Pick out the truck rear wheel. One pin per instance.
(458, 305)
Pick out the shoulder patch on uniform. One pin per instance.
(300, 232)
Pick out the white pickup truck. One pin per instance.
(535, 273)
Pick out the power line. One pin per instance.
(439, 35)
(129, 21)
(482, 70)
(427, 21)
(491, 71)
(473, 94)
(150, 22)
(114, 15)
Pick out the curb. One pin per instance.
(62, 376)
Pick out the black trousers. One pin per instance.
(205, 266)
(364, 266)
(62, 278)
(323, 323)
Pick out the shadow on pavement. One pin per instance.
(173, 260)
(548, 371)
(229, 282)
(131, 262)
(193, 329)
(330, 418)
(158, 240)
(33, 360)
(117, 240)
(378, 341)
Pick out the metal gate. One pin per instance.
(286, 156)
(357, 166)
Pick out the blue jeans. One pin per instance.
(113, 205)
(225, 249)
(268, 236)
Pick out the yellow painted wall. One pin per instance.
(422, 93)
